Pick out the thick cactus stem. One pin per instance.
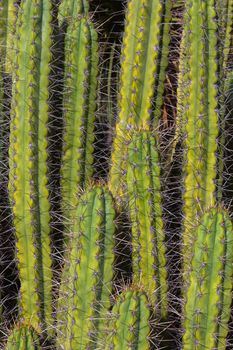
(144, 61)
(208, 298)
(87, 279)
(144, 191)
(28, 157)
(23, 337)
(80, 85)
(129, 324)
(197, 104)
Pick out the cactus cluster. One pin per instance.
(96, 258)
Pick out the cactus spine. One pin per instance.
(208, 298)
(23, 337)
(87, 278)
(129, 325)
(72, 8)
(144, 60)
(28, 156)
(80, 84)
(144, 190)
(198, 108)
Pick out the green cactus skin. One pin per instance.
(28, 156)
(87, 278)
(208, 299)
(80, 84)
(23, 337)
(129, 325)
(144, 191)
(8, 14)
(144, 60)
(71, 9)
(198, 106)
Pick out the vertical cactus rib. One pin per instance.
(129, 325)
(23, 337)
(87, 278)
(200, 116)
(8, 14)
(72, 8)
(208, 298)
(144, 60)
(80, 85)
(144, 191)
(28, 157)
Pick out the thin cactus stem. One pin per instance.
(144, 191)
(144, 60)
(208, 299)
(28, 160)
(129, 323)
(80, 85)
(199, 112)
(87, 278)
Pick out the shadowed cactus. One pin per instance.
(87, 277)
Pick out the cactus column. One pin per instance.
(28, 156)
(144, 192)
(197, 107)
(87, 278)
(208, 299)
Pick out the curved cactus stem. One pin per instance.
(80, 85)
(23, 337)
(87, 278)
(71, 9)
(208, 297)
(28, 160)
(144, 60)
(199, 112)
(144, 192)
(129, 324)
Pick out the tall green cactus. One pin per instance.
(144, 191)
(208, 299)
(197, 106)
(129, 324)
(80, 85)
(23, 337)
(28, 160)
(144, 60)
(87, 278)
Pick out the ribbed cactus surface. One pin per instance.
(208, 299)
(23, 337)
(87, 277)
(28, 160)
(129, 324)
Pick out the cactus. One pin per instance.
(129, 324)
(144, 191)
(144, 60)
(72, 8)
(87, 278)
(28, 157)
(23, 337)
(198, 107)
(80, 84)
(8, 14)
(208, 298)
